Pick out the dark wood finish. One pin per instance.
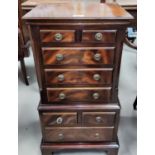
(58, 118)
(98, 118)
(78, 134)
(78, 76)
(111, 148)
(108, 36)
(75, 107)
(21, 56)
(79, 94)
(78, 56)
(50, 36)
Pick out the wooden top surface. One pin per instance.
(78, 11)
(32, 3)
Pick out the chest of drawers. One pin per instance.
(77, 50)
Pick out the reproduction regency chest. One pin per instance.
(77, 51)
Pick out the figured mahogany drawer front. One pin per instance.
(82, 134)
(57, 36)
(104, 36)
(78, 56)
(78, 76)
(59, 118)
(78, 94)
(98, 118)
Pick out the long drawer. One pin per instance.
(78, 76)
(75, 134)
(78, 56)
(79, 94)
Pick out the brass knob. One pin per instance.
(59, 120)
(61, 77)
(97, 57)
(96, 96)
(98, 36)
(97, 77)
(98, 119)
(61, 136)
(59, 57)
(58, 36)
(62, 96)
(97, 135)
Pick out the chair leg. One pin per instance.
(23, 68)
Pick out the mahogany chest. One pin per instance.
(77, 50)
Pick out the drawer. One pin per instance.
(104, 36)
(75, 134)
(78, 56)
(57, 36)
(78, 76)
(58, 118)
(98, 118)
(79, 94)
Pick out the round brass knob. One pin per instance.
(62, 96)
(59, 57)
(97, 135)
(97, 77)
(58, 36)
(61, 136)
(59, 120)
(98, 119)
(96, 96)
(97, 57)
(61, 77)
(98, 36)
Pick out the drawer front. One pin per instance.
(98, 118)
(76, 56)
(54, 36)
(75, 134)
(97, 36)
(58, 119)
(78, 76)
(78, 94)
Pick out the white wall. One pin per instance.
(128, 81)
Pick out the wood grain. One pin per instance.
(52, 118)
(78, 76)
(106, 118)
(49, 35)
(78, 56)
(75, 134)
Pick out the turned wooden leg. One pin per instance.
(113, 152)
(23, 68)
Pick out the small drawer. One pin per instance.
(98, 118)
(78, 76)
(78, 56)
(58, 118)
(57, 36)
(79, 94)
(78, 134)
(97, 36)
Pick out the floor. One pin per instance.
(29, 128)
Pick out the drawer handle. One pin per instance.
(97, 77)
(97, 57)
(61, 77)
(59, 120)
(98, 36)
(61, 136)
(97, 135)
(62, 96)
(98, 119)
(58, 36)
(59, 57)
(96, 96)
